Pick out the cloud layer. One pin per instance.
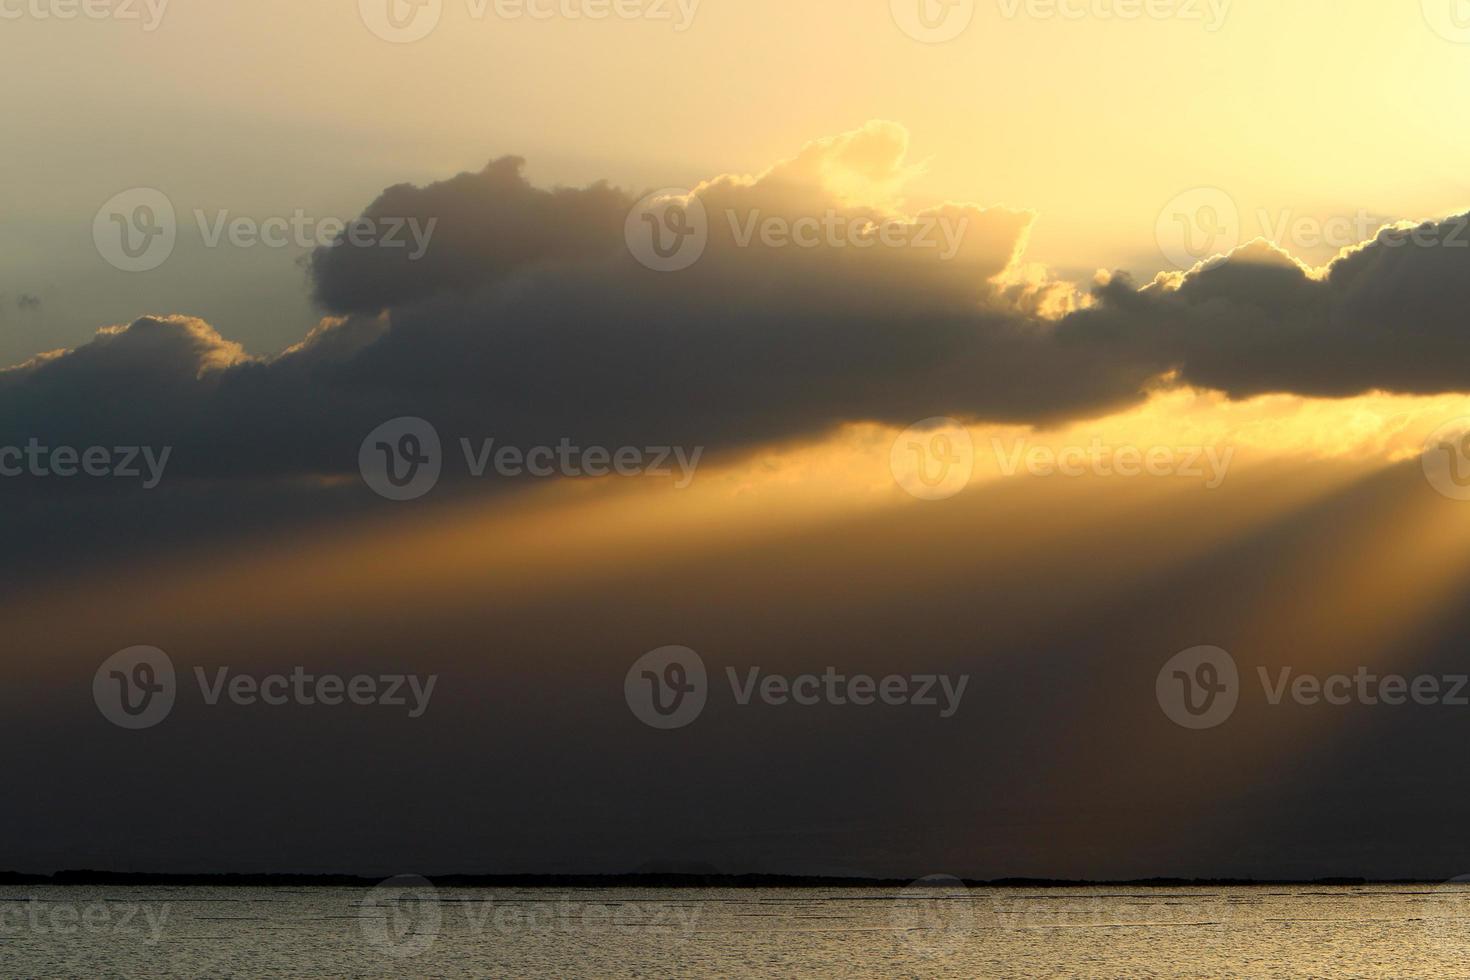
(530, 319)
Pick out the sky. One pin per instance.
(1032, 346)
(1317, 108)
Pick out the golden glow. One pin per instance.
(559, 538)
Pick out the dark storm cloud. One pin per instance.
(147, 380)
(485, 227)
(1391, 315)
(529, 319)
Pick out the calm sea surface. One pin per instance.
(935, 930)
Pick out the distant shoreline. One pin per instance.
(131, 879)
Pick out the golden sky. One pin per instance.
(1319, 108)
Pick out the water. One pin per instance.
(934, 930)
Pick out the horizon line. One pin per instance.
(83, 878)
